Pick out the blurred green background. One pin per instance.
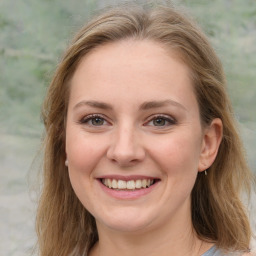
(33, 35)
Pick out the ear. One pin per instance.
(212, 136)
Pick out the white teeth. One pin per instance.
(114, 184)
(130, 184)
(108, 183)
(121, 184)
(138, 184)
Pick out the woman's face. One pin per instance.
(133, 136)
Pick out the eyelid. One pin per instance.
(168, 118)
(85, 119)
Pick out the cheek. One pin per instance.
(83, 152)
(83, 155)
(178, 154)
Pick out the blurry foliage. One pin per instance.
(33, 37)
(231, 27)
(34, 34)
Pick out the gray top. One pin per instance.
(214, 251)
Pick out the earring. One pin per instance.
(205, 172)
(66, 162)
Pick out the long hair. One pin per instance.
(64, 226)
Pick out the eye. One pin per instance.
(161, 121)
(93, 120)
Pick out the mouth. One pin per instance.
(128, 185)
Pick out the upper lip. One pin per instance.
(127, 177)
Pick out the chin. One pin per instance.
(126, 221)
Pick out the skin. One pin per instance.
(133, 136)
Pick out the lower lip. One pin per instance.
(127, 194)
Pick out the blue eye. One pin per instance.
(97, 121)
(93, 120)
(161, 121)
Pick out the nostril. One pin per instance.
(124, 158)
(125, 148)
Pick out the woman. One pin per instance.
(141, 152)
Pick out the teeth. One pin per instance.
(114, 184)
(138, 184)
(108, 183)
(144, 183)
(130, 184)
(121, 184)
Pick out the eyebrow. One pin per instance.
(95, 104)
(144, 106)
(159, 104)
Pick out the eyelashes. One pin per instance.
(161, 121)
(157, 121)
(94, 120)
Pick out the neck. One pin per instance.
(179, 239)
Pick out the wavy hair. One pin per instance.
(64, 226)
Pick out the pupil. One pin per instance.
(97, 121)
(159, 122)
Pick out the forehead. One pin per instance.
(130, 52)
(132, 69)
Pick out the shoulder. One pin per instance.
(252, 253)
(249, 254)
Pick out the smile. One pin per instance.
(127, 185)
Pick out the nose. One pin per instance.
(126, 148)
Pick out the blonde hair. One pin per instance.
(64, 226)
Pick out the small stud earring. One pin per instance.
(66, 162)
